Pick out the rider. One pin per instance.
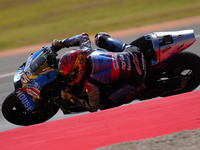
(93, 69)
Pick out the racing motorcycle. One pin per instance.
(170, 71)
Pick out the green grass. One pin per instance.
(25, 22)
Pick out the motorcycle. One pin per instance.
(170, 71)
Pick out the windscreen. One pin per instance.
(36, 63)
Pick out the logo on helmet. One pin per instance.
(73, 65)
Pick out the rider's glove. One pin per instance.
(58, 44)
(68, 96)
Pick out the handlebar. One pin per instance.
(50, 54)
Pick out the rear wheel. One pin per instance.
(180, 76)
(15, 113)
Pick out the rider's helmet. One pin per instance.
(72, 65)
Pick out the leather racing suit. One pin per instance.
(122, 66)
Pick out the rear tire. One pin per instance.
(185, 65)
(15, 113)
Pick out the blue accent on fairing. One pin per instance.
(37, 82)
(25, 99)
(42, 80)
(18, 74)
(30, 59)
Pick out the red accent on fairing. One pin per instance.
(27, 90)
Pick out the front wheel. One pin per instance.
(16, 114)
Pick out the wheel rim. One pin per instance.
(188, 77)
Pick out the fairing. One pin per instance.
(167, 44)
(39, 73)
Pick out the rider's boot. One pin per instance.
(62, 103)
(66, 101)
(103, 40)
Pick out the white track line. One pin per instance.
(7, 74)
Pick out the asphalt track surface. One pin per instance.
(9, 65)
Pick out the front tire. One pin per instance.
(15, 113)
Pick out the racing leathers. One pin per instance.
(112, 77)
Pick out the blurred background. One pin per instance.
(32, 22)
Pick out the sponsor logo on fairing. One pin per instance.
(32, 93)
(36, 85)
(24, 99)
